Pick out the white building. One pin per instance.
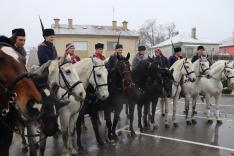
(188, 45)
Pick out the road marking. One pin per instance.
(184, 141)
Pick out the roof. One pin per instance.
(227, 42)
(93, 30)
(183, 39)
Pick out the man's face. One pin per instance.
(119, 51)
(20, 41)
(200, 52)
(157, 53)
(179, 54)
(99, 50)
(49, 38)
(142, 54)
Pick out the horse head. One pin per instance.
(63, 74)
(202, 67)
(98, 78)
(187, 69)
(228, 73)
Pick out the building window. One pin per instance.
(189, 52)
(111, 45)
(81, 45)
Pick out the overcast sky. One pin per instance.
(214, 19)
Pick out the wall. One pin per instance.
(228, 49)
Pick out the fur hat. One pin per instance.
(48, 32)
(141, 48)
(99, 46)
(200, 48)
(177, 49)
(18, 32)
(118, 46)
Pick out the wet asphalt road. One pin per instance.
(201, 139)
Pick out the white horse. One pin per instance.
(181, 68)
(92, 72)
(220, 71)
(192, 89)
(63, 77)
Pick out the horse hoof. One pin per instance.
(162, 114)
(209, 121)
(194, 121)
(133, 134)
(141, 130)
(25, 149)
(194, 112)
(189, 123)
(219, 122)
(167, 126)
(175, 124)
(155, 126)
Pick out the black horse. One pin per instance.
(120, 84)
(151, 80)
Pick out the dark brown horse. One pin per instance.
(19, 98)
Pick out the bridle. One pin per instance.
(68, 86)
(10, 94)
(97, 86)
(225, 72)
(187, 72)
(202, 71)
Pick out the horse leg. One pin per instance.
(208, 105)
(217, 113)
(131, 117)
(71, 133)
(64, 120)
(175, 99)
(146, 112)
(79, 130)
(162, 104)
(107, 114)
(194, 100)
(116, 120)
(165, 101)
(94, 121)
(127, 110)
(154, 105)
(31, 130)
(24, 141)
(42, 144)
(139, 110)
(188, 120)
(6, 138)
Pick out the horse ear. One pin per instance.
(128, 56)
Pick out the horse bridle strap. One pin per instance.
(69, 87)
(94, 76)
(187, 72)
(228, 77)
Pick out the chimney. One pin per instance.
(70, 25)
(114, 25)
(125, 25)
(193, 35)
(56, 22)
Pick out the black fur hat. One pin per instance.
(99, 46)
(200, 48)
(18, 32)
(48, 32)
(5, 40)
(177, 49)
(118, 46)
(141, 48)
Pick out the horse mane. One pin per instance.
(217, 66)
(177, 62)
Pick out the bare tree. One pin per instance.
(152, 33)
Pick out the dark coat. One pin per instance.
(196, 57)
(172, 60)
(46, 51)
(163, 61)
(112, 61)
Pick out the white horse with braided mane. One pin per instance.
(220, 71)
(182, 67)
(92, 72)
(192, 89)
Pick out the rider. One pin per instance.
(176, 56)
(46, 50)
(161, 59)
(139, 56)
(70, 51)
(200, 52)
(99, 50)
(114, 57)
(18, 39)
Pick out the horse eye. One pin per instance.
(68, 72)
(99, 75)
